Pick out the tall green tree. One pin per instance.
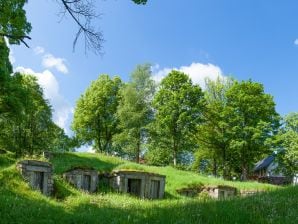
(252, 120)
(289, 143)
(213, 135)
(135, 112)
(28, 130)
(178, 110)
(95, 119)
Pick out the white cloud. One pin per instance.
(38, 50)
(296, 41)
(197, 72)
(62, 109)
(50, 61)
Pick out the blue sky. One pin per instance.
(249, 39)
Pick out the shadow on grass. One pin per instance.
(274, 207)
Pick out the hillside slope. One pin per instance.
(19, 204)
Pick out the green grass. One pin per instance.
(19, 204)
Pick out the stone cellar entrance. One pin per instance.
(134, 186)
(138, 183)
(82, 178)
(38, 174)
(154, 189)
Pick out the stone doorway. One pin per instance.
(86, 182)
(134, 186)
(82, 178)
(38, 174)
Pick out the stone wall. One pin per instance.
(38, 174)
(84, 179)
(140, 184)
(218, 191)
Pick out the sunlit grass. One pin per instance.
(19, 204)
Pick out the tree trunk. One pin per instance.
(138, 152)
(244, 174)
(174, 158)
(214, 167)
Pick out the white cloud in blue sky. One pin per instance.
(50, 61)
(198, 72)
(296, 41)
(38, 50)
(63, 111)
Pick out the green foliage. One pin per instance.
(288, 137)
(134, 112)
(95, 119)
(178, 105)
(13, 21)
(140, 2)
(252, 121)
(239, 122)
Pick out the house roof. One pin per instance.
(264, 163)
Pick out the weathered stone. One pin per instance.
(138, 183)
(220, 191)
(38, 174)
(84, 179)
(245, 193)
(217, 192)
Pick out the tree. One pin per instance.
(59, 141)
(135, 112)
(13, 21)
(213, 134)
(14, 24)
(252, 120)
(95, 119)
(178, 110)
(28, 130)
(288, 136)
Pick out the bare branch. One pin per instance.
(82, 13)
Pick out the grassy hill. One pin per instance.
(19, 204)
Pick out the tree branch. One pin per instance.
(82, 13)
(15, 37)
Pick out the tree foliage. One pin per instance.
(213, 134)
(13, 21)
(135, 112)
(240, 121)
(288, 137)
(95, 119)
(178, 110)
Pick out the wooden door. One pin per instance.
(154, 190)
(86, 182)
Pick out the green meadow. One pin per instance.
(20, 204)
